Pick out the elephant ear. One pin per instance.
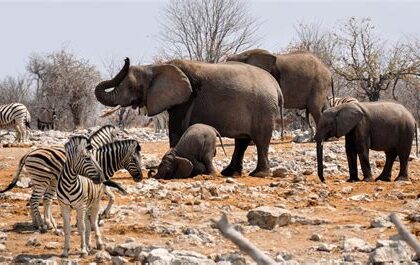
(347, 118)
(262, 60)
(169, 87)
(184, 167)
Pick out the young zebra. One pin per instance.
(16, 114)
(43, 166)
(80, 193)
(334, 102)
(103, 135)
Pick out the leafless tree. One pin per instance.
(66, 83)
(206, 30)
(364, 60)
(15, 89)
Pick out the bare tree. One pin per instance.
(15, 89)
(65, 82)
(364, 60)
(206, 30)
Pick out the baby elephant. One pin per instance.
(380, 126)
(192, 155)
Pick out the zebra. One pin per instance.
(80, 193)
(334, 102)
(44, 164)
(16, 114)
(102, 136)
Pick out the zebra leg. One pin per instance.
(36, 215)
(65, 212)
(87, 231)
(18, 134)
(81, 226)
(111, 197)
(94, 223)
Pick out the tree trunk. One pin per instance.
(374, 95)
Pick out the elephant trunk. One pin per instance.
(319, 159)
(109, 98)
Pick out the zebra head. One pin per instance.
(132, 160)
(80, 159)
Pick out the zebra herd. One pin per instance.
(59, 170)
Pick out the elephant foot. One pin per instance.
(261, 173)
(230, 172)
(402, 178)
(383, 178)
(353, 180)
(368, 179)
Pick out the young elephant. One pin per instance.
(192, 155)
(380, 126)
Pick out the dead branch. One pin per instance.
(108, 112)
(243, 244)
(405, 234)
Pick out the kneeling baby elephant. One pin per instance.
(193, 154)
(380, 126)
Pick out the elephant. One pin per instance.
(192, 155)
(380, 126)
(303, 78)
(46, 119)
(239, 100)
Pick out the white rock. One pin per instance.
(2, 248)
(353, 243)
(52, 245)
(117, 260)
(102, 257)
(268, 217)
(326, 247)
(190, 257)
(381, 222)
(360, 197)
(390, 251)
(316, 237)
(159, 256)
(33, 241)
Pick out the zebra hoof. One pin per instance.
(83, 254)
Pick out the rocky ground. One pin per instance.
(291, 216)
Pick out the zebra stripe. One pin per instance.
(43, 165)
(338, 101)
(79, 193)
(17, 115)
(102, 136)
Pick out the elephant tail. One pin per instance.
(17, 174)
(221, 142)
(332, 88)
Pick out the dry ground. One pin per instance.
(346, 217)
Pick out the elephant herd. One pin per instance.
(242, 97)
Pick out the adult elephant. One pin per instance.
(304, 80)
(241, 101)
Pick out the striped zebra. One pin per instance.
(80, 193)
(334, 102)
(102, 136)
(43, 165)
(17, 115)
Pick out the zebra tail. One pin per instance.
(17, 174)
(115, 185)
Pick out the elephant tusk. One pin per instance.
(108, 112)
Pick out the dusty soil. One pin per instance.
(346, 218)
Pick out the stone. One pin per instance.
(3, 236)
(102, 257)
(2, 247)
(316, 237)
(280, 172)
(390, 251)
(52, 245)
(231, 258)
(33, 241)
(268, 217)
(159, 256)
(117, 260)
(6, 259)
(330, 157)
(130, 249)
(326, 247)
(190, 257)
(360, 197)
(346, 190)
(381, 222)
(353, 243)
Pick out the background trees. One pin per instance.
(207, 30)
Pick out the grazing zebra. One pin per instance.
(80, 193)
(43, 165)
(102, 136)
(16, 114)
(334, 102)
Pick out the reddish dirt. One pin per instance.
(348, 218)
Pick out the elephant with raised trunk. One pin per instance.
(241, 101)
(380, 126)
(304, 80)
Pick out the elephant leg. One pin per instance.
(363, 152)
(198, 168)
(210, 168)
(404, 157)
(235, 166)
(386, 172)
(263, 168)
(351, 158)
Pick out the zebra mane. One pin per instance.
(103, 128)
(120, 142)
(77, 140)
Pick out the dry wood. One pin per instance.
(108, 112)
(405, 234)
(239, 240)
